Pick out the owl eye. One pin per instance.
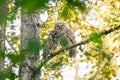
(58, 26)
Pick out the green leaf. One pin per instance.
(12, 76)
(13, 58)
(2, 2)
(12, 17)
(9, 73)
(65, 13)
(64, 41)
(55, 64)
(96, 38)
(31, 5)
(2, 76)
(2, 54)
(33, 46)
(105, 56)
(80, 4)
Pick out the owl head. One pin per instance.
(60, 26)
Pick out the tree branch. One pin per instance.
(110, 30)
(78, 44)
(99, 62)
(34, 22)
(67, 48)
(90, 8)
(102, 67)
(8, 41)
(83, 42)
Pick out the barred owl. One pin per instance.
(65, 32)
(51, 44)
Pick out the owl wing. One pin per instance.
(70, 36)
(50, 45)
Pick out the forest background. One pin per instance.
(26, 24)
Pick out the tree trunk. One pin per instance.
(3, 9)
(2, 49)
(76, 68)
(30, 44)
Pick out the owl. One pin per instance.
(65, 32)
(51, 44)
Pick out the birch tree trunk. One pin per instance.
(30, 44)
(3, 9)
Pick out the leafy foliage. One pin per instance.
(80, 4)
(31, 5)
(2, 54)
(65, 13)
(86, 18)
(2, 76)
(64, 41)
(33, 46)
(95, 37)
(13, 58)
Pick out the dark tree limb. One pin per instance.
(110, 30)
(83, 42)
(43, 62)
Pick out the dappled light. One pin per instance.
(60, 39)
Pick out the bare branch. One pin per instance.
(102, 67)
(52, 10)
(110, 30)
(34, 22)
(67, 48)
(90, 8)
(84, 42)
(8, 41)
(99, 62)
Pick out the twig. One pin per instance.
(57, 10)
(110, 30)
(8, 41)
(98, 67)
(67, 48)
(102, 67)
(34, 22)
(54, 8)
(91, 7)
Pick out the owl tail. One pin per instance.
(72, 53)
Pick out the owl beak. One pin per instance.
(60, 27)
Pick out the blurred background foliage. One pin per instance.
(86, 18)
